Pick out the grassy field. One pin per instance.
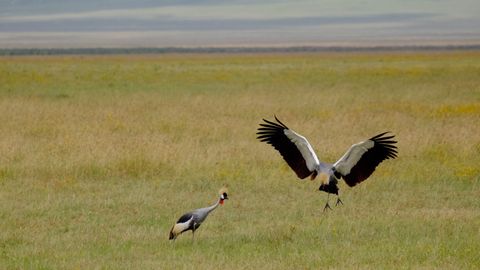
(100, 155)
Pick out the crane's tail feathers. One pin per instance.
(172, 235)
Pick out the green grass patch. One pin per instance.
(100, 155)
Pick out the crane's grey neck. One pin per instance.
(215, 205)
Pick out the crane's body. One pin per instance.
(193, 219)
(356, 165)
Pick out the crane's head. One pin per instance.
(223, 194)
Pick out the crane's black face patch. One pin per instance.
(225, 196)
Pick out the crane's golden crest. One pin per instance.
(223, 190)
(323, 177)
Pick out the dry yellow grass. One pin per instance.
(100, 155)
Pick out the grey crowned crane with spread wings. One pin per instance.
(356, 165)
(192, 220)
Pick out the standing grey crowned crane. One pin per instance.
(356, 165)
(192, 220)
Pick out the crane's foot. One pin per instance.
(327, 206)
(338, 202)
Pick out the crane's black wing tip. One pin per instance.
(386, 142)
(380, 136)
(279, 123)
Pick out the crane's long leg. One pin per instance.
(338, 201)
(193, 231)
(327, 206)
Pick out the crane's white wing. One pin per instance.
(304, 147)
(294, 148)
(184, 223)
(359, 162)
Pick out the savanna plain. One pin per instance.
(100, 155)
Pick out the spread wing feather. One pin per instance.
(293, 147)
(359, 162)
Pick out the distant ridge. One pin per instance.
(207, 50)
